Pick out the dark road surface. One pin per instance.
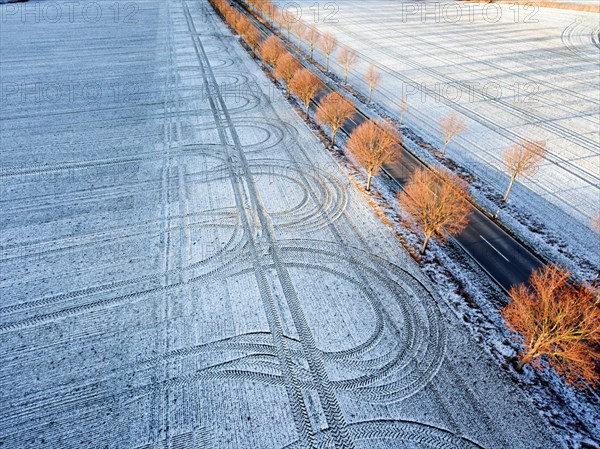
(501, 256)
(504, 259)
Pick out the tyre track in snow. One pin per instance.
(223, 122)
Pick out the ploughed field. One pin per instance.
(510, 71)
(184, 265)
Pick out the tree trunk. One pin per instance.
(327, 63)
(333, 133)
(345, 76)
(369, 176)
(512, 180)
(306, 105)
(424, 247)
(444, 149)
(525, 359)
(370, 93)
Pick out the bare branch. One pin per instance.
(333, 110)
(328, 44)
(523, 159)
(252, 36)
(451, 126)
(373, 78)
(305, 85)
(286, 67)
(312, 37)
(348, 59)
(559, 322)
(270, 50)
(372, 145)
(436, 201)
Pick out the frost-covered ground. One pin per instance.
(511, 72)
(184, 265)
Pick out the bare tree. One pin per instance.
(523, 159)
(286, 67)
(299, 31)
(451, 126)
(270, 50)
(312, 37)
(288, 20)
(278, 17)
(348, 59)
(253, 5)
(328, 44)
(372, 145)
(559, 322)
(333, 110)
(267, 10)
(373, 78)
(252, 36)
(436, 201)
(404, 108)
(305, 85)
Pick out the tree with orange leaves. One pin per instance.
(305, 85)
(270, 50)
(373, 145)
(252, 36)
(333, 110)
(286, 67)
(451, 125)
(559, 323)
(436, 201)
(523, 158)
(242, 25)
(348, 59)
(373, 78)
(328, 44)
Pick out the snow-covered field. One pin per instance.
(184, 265)
(510, 71)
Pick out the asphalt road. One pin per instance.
(504, 259)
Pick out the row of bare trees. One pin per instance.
(521, 159)
(556, 319)
(436, 200)
(327, 43)
(300, 81)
